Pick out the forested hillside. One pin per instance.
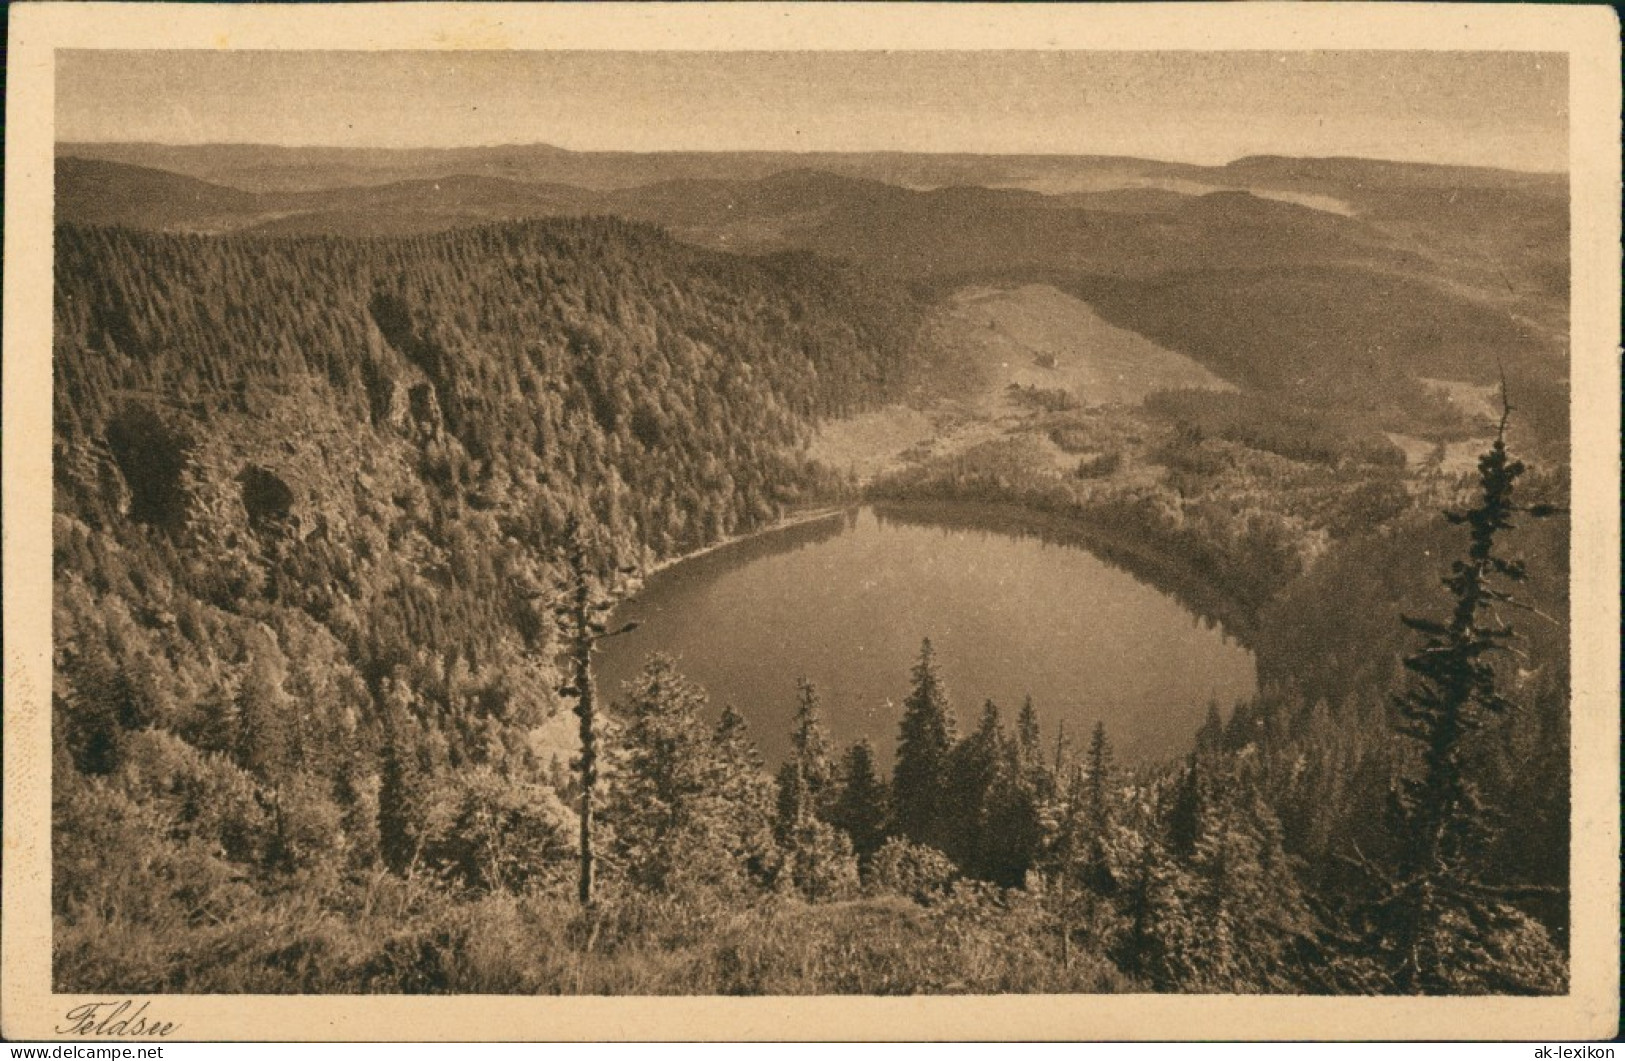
(559, 354)
(309, 495)
(314, 503)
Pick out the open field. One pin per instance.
(1035, 336)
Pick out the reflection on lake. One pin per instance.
(846, 600)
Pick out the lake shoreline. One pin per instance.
(1164, 569)
(782, 524)
(1161, 568)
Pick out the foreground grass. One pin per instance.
(408, 939)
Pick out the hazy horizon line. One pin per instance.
(398, 149)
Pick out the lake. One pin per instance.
(846, 600)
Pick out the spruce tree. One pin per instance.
(1097, 814)
(819, 859)
(688, 805)
(791, 800)
(1014, 835)
(103, 709)
(971, 792)
(1245, 925)
(810, 741)
(265, 741)
(924, 739)
(806, 780)
(860, 803)
(1442, 927)
(402, 785)
(1029, 741)
(1158, 935)
(745, 795)
(666, 785)
(1210, 737)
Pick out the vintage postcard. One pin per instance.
(875, 521)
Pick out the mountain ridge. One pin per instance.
(265, 167)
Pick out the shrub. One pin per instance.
(921, 873)
(1099, 467)
(819, 862)
(504, 833)
(1045, 399)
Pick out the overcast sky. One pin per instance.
(1484, 108)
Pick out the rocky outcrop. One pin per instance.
(267, 498)
(427, 420)
(151, 448)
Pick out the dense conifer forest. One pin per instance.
(322, 504)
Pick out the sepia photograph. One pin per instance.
(736, 518)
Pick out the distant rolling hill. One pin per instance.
(425, 205)
(1498, 233)
(1328, 278)
(920, 234)
(94, 192)
(268, 168)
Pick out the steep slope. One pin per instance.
(309, 498)
(554, 347)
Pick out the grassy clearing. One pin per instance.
(1036, 336)
(872, 442)
(1481, 401)
(410, 938)
(993, 345)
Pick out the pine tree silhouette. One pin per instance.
(924, 739)
(1436, 911)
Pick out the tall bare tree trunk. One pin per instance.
(585, 710)
(1066, 924)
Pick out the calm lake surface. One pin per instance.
(845, 601)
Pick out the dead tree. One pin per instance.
(588, 597)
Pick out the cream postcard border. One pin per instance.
(1589, 35)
